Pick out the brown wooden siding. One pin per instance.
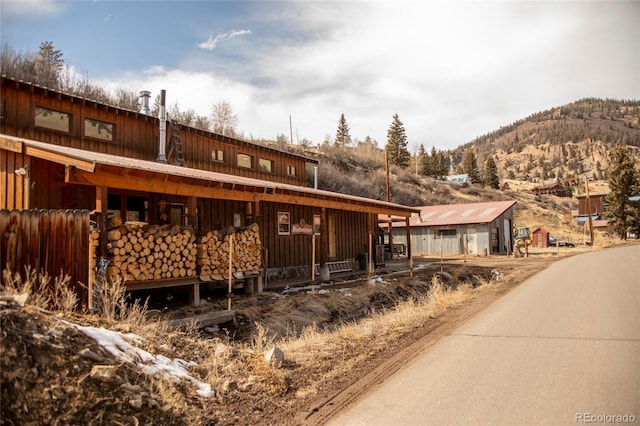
(288, 250)
(135, 135)
(53, 242)
(13, 187)
(597, 204)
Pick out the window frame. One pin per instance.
(53, 129)
(217, 155)
(238, 162)
(284, 223)
(264, 169)
(113, 130)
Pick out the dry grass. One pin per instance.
(370, 333)
(323, 337)
(39, 291)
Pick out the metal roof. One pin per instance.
(459, 214)
(92, 161)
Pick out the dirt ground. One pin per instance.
(51, 373)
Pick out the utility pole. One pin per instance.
(586, 182)
(386, 162)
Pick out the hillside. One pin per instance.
(361, 172)
(569, 140)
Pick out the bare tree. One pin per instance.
(224, 120)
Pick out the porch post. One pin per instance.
(324, 241)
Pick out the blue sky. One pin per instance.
(451, 70)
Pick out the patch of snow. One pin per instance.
(377, 280)
(119, 345)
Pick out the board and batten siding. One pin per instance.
(351, 235)
(424, 240)
(51, 242)
(136, 135)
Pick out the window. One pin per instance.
(98, 129)
(284, 223)
(265, 165)
(445, 233)
(245, 161)
(291, 170)
(316, 224)
(54, 120)
(217, 155)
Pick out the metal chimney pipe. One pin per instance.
(162, 116)
(315, 177)
(145, 95)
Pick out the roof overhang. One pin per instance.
(111, 171)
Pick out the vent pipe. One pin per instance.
(145, 95)
(162, 116)
(315, 177)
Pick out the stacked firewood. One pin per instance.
(213, 251)
(94, 243)
(149, 252)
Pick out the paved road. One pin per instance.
(562, 348)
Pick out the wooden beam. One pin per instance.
(101, 199)
(157, 185)
(164, 184)
(324, 238)
(88, 166)
(408, 235)
(335, 204)
(11, 145)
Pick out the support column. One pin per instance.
(324, 241)
(101, 220)
(191, 213)
(408, 228)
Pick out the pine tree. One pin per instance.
(623, 182)
(439, 166)
(423, 161)
(491, 172)
(49, 64)
(397, 144)
(343, 138)
(429, 163)
(470, 166)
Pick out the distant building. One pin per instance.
(455, 229)
(556, 188)
(597, 201)
(459, 179)
(540, 238)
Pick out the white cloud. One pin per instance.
(451, 70)
(212, 42)
(30, 8)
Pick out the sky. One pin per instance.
(451, 70)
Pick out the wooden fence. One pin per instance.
(55, 242)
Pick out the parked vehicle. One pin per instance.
(559, 243)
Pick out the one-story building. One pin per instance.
(455, 229)
(540, 238)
